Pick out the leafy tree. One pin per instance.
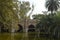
(7, 14)
(38, 17)
(24, 8)
(48, 24)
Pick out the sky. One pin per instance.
(39, 6)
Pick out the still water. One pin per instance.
(22, 36)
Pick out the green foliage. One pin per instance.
(38, 17)
(7, 14)
(48, 23)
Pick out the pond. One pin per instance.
(22, 36)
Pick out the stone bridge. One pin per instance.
(27, 25)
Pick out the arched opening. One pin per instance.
(31, 28)
(3, 28)
(20, 29)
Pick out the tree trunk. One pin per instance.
(52, 13)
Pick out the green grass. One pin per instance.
(21, 36)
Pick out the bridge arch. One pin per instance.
(20, 28)
(31, 28)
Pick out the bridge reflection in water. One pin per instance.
(19, 36)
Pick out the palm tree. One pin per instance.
(52, 5)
